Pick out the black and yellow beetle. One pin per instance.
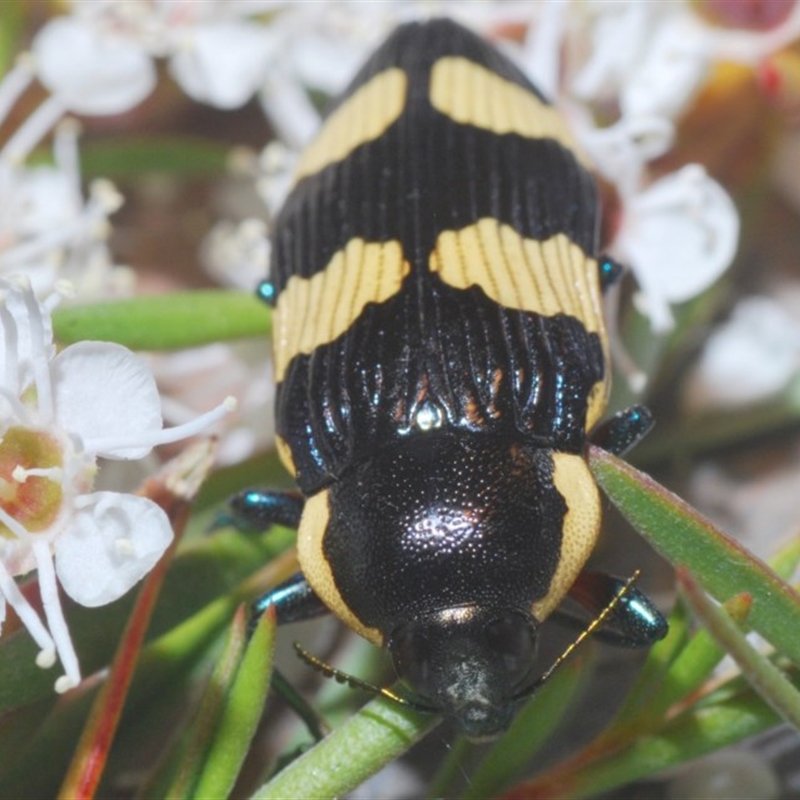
(440, 355)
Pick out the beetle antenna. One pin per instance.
(584, 634)
(357, 683)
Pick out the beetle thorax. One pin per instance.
(444, 521)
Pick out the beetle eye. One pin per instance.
(512, 639)
(411, 653)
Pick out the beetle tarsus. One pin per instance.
(624, 430)
(294, 601)
(610, 272)
(258, 509)
(633, 622)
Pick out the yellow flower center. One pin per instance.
(30, 485)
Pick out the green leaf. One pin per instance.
(532, 728)
(653, 673)
(786, 559)
(722, 719)
(760, 673)
(200, 733)
(130, 157)
(202, 575)
(12, 19)
(369, 740)
(237, 724)
(165, 322)
(684, 536)
(701, 433)
(696, 661)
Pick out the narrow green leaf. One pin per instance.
(717, 722)
(652, 675)
(786, 559)
(708, 432)
(451, 769)
(201, 731)
(760, 673)
(684, 536)
(12, 18)
(531, 729)
(165, 322)
(696, 661)
(210, 573)
(238, 722)
(131, 157)
(369, 740)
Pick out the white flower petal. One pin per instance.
(680, 234)
(47, 199)
(26, 336)
(325, 62)
(621, 151)
(115, 540)
(92, 71)
(223, 63)
(762, 341)
(541, 52)
(104, 391)
(290, 111)
(619, 35)
(674, 64)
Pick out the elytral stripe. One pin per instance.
(546, 277)
(317, 569)
(316, 310)
(361, 118)
(471, 94)
(580, 528)
(285, 455)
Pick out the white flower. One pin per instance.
(58, 414)
(276, 167)
(237, 254)
(50, 232)
(214, 53)
(649, 57)
(680, 234)
(222, 63)
(90, 70)
(751, 357)
(191, 379)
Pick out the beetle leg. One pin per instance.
(294, 601)
(257, 509)
(265, 291)
(634, 621)
(610, 272)
(625, 429)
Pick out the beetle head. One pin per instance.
(469, 664)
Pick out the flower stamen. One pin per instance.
(14, 525)
(10, 377)
(21, 474)
(39, 355)
(165, 435)
(55, 618)
(32, 131)
(29, 618)
(15, 83)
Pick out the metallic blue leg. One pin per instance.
(257, 509)
(634, 622)
(625, 429)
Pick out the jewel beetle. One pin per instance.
(441, 359)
